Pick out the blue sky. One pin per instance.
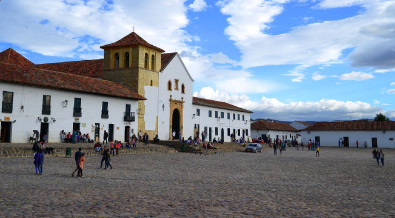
(317, 60)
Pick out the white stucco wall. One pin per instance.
(273, 134)
(151, 107)
(205, 121)
(174, 70)
(26, 119)
(331, 138)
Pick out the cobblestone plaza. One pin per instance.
(341, 183)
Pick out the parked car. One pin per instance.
(256, 140)
(253, 147)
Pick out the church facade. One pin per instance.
(135, 79)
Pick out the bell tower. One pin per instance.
(135, 63)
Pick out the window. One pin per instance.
(77, 107)
(153, 62)
(228, 131)
(234, 116)
(104, 109)
(210, 114)
(116, 60)
(146, 61)
(243, 117)
(228, 116)
(222, 115)
(176, 84)
(46, 110)
(197, 112)
(238, 116)
(126, 59)
(183, 89)
(8, 98)
(216, 114)
(129, 116)
(216, 131)
(169, 85)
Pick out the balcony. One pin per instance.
(6, 107)
(46, 110)
(104, 114)
(77, 112)
(129, 117)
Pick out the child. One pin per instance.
(38, 158)
(317, 153)
(81, 165)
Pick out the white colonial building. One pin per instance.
(273, 130)
(136, 87)
(379, 134)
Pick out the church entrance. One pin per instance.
(176, 123)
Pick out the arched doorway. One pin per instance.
(176, 122)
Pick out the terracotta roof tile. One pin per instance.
(352, 126)
(131, 39)
(31, 76)
(12, 57)
(217, 104)
(90, 68)
(269, 125)
(166, 58)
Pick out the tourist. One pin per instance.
(62, 136)
(104, 154)
(317, 153)
(81, 164)
(36, 135)
(112, 147)
(179, 136)
(156, 139)
(275, 149)
(145, 139)
(134, 141)
(108, 159)
(357, 143)
(174, 134)
(38, 162)
(140, 139)
(117, 147)
(374, 152)
(105, 137)
(378, 158)
(77, 160)
(382, 157)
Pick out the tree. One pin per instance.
(381, 117)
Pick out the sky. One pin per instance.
(317, 60)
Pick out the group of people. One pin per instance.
(75, 137)
(379, 156)
(79, 162)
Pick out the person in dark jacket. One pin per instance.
(77, 159)
(105, 137)
(38, 162)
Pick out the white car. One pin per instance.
(253, 147)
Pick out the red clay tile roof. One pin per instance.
(217, 104)
(89, 68)
(131, 39)
(166, 58)
(269, 125)
(12, 57)
(30, 76)
(352, 126)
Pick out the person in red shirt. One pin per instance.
(81, 165)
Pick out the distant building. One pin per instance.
(372, 133)
(273, 130)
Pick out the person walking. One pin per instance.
(112, 147)
(357, 143)
(38, 162)
(382, 157)
(108, 159)
(378, 158)
(81, 164)
(104, 156)
(275, 149)
(317, 153)
(77, 160)
(105, 137)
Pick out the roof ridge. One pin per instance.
(71, 61)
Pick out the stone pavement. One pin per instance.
(341, 183)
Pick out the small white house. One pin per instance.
(273, 130)
(50, 101)
(379, 134)
(220, 120)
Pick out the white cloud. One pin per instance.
(376, 102)
(357, 76)
(316, 43)
(392, 84)
(317, 76)
(198, 5)
(391, 91)
(325, 109)
(341, 3)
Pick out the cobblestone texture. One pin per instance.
(340, 183)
